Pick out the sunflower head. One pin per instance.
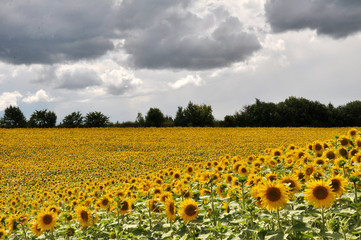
(319, 194)
(170, 209)
(188, 210)
(274, 195)
(46, 220)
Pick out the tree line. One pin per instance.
(292, 112)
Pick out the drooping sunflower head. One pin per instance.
(188, 210)
(35, 228)
(84, 216)
(170, 209)
(125, 205)
(274, 195)
(47, 220)
(319, 194)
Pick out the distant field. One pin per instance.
(70, 167)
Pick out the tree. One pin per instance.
(96, 119)
(139, 121)
(42, 119)
(154, 118)
(73, 120)
(13, 118)
(194, 116)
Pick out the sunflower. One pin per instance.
(188, 210)
(170, 209)
(84, 216)
(330, 154)
(344, 141)
(35, 228)
(319, 193)
(46, 220)
(338, 184)
(271, 176)
(273, 195)
(317, 147)
(154, 206)
(358, 142)
(104, 202)
(125, 206)
(2, 233)
(243, 170)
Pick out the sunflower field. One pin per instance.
(180, 183)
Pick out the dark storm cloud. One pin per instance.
(39, 31)
(157, 34)
(174, 37)
(336, 18)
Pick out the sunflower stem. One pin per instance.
(323, 218)
(278, 221)
(355, 187)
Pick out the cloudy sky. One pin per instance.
(121, 57)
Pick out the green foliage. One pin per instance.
(73, 120)
(295, 112)
(194, 116)
(13, 118)
(42, 119)
(96, 119)
(154, 118)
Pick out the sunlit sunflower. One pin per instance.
(352, 132)
(125, 206)
(338, 184)
(273, 195)
(330, 154)
(344, 141)
(188, 210)
(104, 202)
(35, 228)
(46, 220)
(317, 147)
(271, 176)
(319, 194)
(84, 216)
(170, 209)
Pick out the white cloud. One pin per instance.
(188, 80)
(39, 96)
(9, 98)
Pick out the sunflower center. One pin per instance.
(171, 208)
(344, 142)
(84, 216)
(320, 192)
(330, 155)
(244, 170)
(273, 194)
(318, 147)
(125, 206)
(190, 210)
(309, 171)
(47, 219)
(105, 202)
(335, 184)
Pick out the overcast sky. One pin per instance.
(121, 57)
